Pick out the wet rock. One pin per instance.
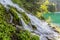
(14, 13)
(25, 17)
(34, 27)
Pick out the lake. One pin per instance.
(55, 17)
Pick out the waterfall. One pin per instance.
(42, 28)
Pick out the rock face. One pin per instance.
(57, 2)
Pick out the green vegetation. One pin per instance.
(8, 31)
(26, 35)
(48, 7)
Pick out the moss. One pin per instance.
(6, 29)
(26, 36)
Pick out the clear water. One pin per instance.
(55, 17)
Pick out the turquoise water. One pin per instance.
(55, 17)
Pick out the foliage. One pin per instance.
(48, 7)
(44, 6)
(38, 14)
(6, 30)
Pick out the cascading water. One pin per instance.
(42, 28)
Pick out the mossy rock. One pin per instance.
(15, 14)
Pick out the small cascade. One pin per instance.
(26, 27)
